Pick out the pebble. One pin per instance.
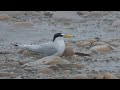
(49, 60)
(79, 76)
(68, 52)
(4, 17)
(101, 48)
(46, 71)
(116, 23)
(23, 24)
(7, 74)
(109, 76)
(83, 44)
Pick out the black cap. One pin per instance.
(57, 35)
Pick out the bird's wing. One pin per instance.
(46, 49)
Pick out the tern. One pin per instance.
(55, 47)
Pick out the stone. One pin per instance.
(68, 52)
(11, 57)
(69, 44)
(5, 78)
(99, 43)
(26, 60)
(54, 67)
(116, 23)
(9, 64)
(84, 13)
(83, 44)
(102, 48)
(95, 13)
(8, 57)
(109, 76)
(49, 60)
(12, 13)
(92, 40)
(28, 53)
(67, 71)
(4, 17)
(66, 15)
(23, 24)
(13, 75)
(18, 77)
(4, 74)
(7, 74)
(79, 76)
(70, 66)
(41, 76)
(46, 71)
(106, 76)
(115, 43)
(99, 77)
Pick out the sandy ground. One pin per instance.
(91, 29)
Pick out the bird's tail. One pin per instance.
(81, 54)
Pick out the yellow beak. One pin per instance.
(68, 36)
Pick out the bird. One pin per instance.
(56, 47)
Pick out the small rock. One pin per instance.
(67, 71)
(48, 14)
(109, 76)
(12, 13)
(4, 17)
(9, 64)
(99, 43)
(13, 75)
(18, 77)
(49, 60)
(26, 60)
(79, 76)
(23, 24)
(28, 53)
(41, 76)
(21, 51)
(116, 23)
(70, 66)
(46, 71)
(92, 41)
(84, 13)
(55, 68)
(66, 16)
(68, 52)
(11, 57)
(95, 13)
(115, 43)
(8, 57)
(102, 48)
(6, 74)
(5, 78)
(82, 54)
(69, 44)
(99, 77)
(83, 44)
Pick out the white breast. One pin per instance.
(60, 45)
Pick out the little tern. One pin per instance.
(55, 47)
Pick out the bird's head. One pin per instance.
(61, 35)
